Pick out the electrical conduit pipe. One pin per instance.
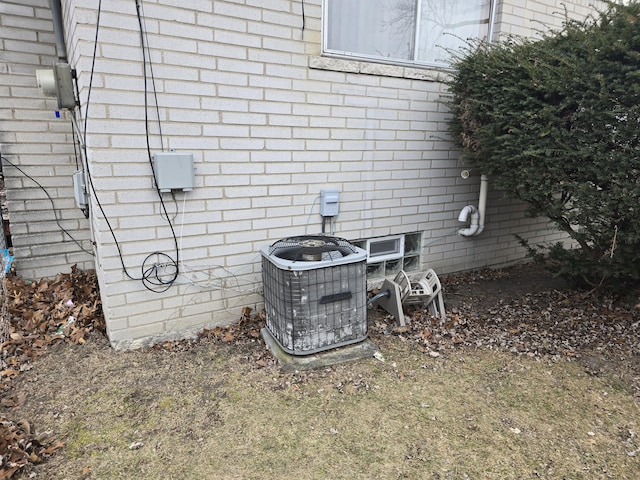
(476, 227)
(58, 29)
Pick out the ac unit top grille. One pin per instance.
(310, 248)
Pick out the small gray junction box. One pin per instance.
(174, 171)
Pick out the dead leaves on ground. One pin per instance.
(241, 335)
(40, 314)
(247, 328)
(20, 446)
(551, 324)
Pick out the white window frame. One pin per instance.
(374, 59)
(397, 253)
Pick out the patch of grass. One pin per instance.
(467, 414)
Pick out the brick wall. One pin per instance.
(270, 122)
(40, 144)
(529, 17)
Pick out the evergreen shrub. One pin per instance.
(555, 122)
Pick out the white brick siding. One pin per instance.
(39, 143)
(528, 17)
(270, 123)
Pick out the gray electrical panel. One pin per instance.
(329, 202)
(58, 83)
(64, 85)
(80, 190)
(174, 171)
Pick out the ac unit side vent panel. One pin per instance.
(317, 305)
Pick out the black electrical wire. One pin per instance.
(93, 68)
(149, 64)
(76, 140)
(53, 206)
(145, 53)
(84, 146)
(158, 277)
(75, 149)
(303, 19)
(140, 12)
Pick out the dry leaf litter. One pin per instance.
(39, 314)
(519, 309)
(527, 312)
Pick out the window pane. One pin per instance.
(387, 29)
(376, 28)
(447, 24)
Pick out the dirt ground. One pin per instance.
(525, 379)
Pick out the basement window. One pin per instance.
(386, 256)
(387, 248)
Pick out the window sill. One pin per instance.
(380, 69)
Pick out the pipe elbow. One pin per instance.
(465, 212)
(474, 228)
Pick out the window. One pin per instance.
(388, 255)
(388, 248)
(403, 31)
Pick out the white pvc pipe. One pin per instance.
(482, 202)
(471, 230)
(476, 227)
(465, 212)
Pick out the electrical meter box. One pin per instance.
(174, 171)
